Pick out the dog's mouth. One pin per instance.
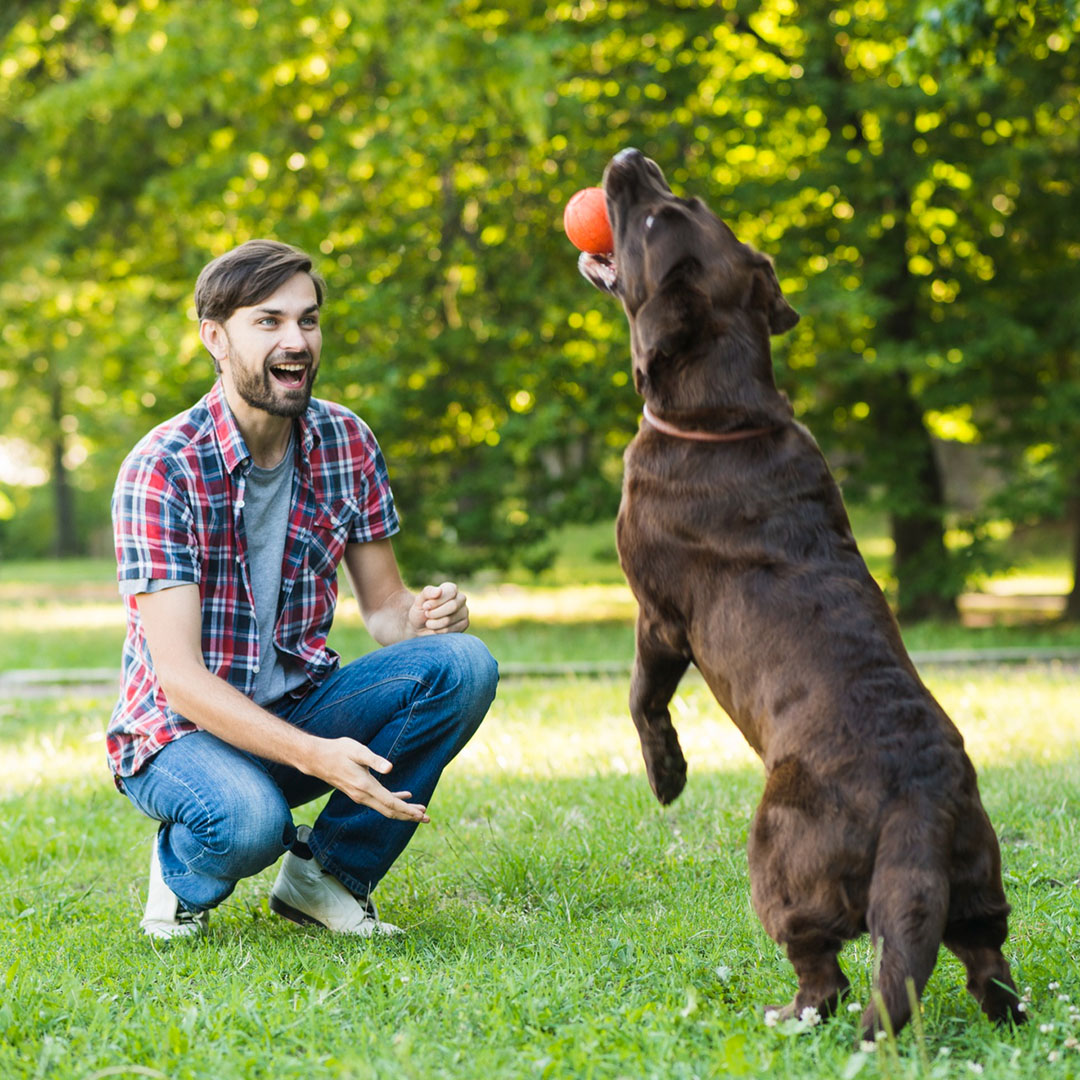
(630, 180)
(600, 271)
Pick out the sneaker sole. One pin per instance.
(287, 911)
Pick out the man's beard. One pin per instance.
(257, 388)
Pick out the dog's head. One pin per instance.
(680, 272)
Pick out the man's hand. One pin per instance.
(392, 612)
(345, 764)
(439, 609)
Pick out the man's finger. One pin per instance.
(389, 804)
(363, 756)
(438, 611)
(398, 808)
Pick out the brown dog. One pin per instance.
(735, 541)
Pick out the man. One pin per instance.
(230, 521)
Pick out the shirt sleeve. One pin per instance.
(153, 525)
(134, 586)
(378, 517)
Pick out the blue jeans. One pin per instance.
(225, 813)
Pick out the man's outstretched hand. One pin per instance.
(347, 765)
(439, 609)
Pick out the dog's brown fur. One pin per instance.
(743, 562)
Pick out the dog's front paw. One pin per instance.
(665, 767)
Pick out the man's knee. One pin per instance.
(248, 833)
(464, 669)
(471, 668)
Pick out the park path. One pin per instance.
(55, 682)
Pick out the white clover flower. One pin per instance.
(810, 1016)
(881, 1036)
(1046, 1028)
(1072, 1042)
(1063, 997)
(1021, 1006)
(772, 1017)
(867, 1047)
(1053, 1056)
(854, 1007)
(1053, 986)
(974, 1066)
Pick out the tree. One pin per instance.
(1016, 67)
(425, 151)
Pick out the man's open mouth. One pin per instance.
(291, 376)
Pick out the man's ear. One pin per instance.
(212, 335)
(766, 294)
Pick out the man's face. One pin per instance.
(270, 351)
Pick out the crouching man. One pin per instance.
(230, 522)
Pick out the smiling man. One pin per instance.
(230, 521)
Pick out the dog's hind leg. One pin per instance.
(979, 918)
(977, 942)
(821, 979)
(908, 904)
(657, 671)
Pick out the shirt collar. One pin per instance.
(233, 447)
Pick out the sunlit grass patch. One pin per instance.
(560, 922)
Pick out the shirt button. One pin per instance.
(240, 504)
(256, 669)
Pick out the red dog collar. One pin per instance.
(701, 436)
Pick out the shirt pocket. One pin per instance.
(330, 528)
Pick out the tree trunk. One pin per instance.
(911, 474)
(1072, 602)
(65, 543)
(926, 588)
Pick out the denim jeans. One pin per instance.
(225, 813)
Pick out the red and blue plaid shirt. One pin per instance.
(177, 515)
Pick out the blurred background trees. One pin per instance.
(912, 172)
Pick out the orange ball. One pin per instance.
(586, 222)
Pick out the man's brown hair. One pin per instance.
(247, 274)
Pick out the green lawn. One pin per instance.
(560, 923)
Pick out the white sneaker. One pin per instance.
(307, 894)
(164, 918)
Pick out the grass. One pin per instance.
(561, 923)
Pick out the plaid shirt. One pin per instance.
(177, 515)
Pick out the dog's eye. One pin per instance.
(648, 221)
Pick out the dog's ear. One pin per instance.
(765, 294)
(671, 322)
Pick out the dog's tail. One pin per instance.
(907, 910)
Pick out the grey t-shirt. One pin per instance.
(267, 495)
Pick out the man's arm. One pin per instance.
(391, 611)
(172, 621)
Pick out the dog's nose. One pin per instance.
(623, 156)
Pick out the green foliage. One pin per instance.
(424, 151)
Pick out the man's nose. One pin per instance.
(292, 338)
